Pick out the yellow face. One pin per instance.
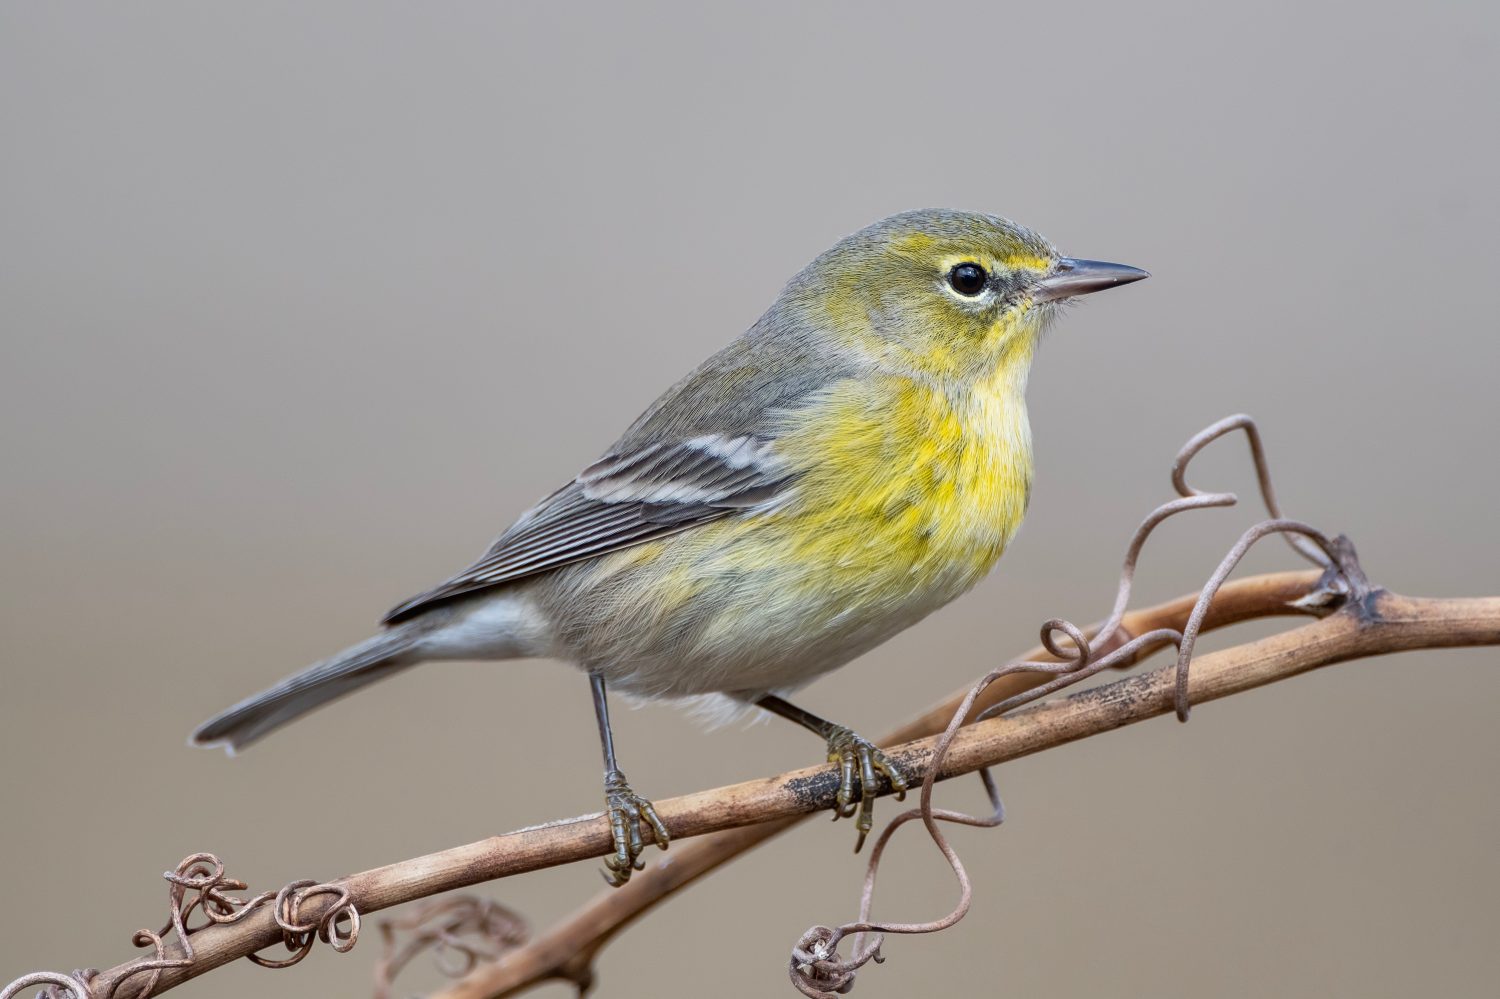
(947, 294)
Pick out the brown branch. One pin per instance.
(567, 949)
(1384, 622)
(304, 911)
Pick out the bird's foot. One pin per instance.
(859, 761)
(627, 812)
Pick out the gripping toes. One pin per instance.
(627, 812)
(859, 761)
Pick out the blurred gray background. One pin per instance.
(300, 304)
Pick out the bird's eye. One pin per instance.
(968, 279)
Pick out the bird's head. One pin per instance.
(949, 294)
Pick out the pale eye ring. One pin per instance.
(968, 279)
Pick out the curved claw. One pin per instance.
(627, 812)
(849, 751)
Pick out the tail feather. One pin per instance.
(371, 660)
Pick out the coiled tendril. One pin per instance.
(816, 969)
(199, 884)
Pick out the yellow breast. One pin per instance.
(906, 484)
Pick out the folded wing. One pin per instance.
(623, 499)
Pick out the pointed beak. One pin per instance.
(1073, 277)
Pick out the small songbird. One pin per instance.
(857, 459)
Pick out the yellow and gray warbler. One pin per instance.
(857, 459)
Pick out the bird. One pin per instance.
(858, 458)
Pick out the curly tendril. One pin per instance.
(816, 969)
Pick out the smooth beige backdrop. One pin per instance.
(301, 303)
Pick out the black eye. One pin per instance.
(968, 279)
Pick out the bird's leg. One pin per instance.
(858, 759)
(627, 810)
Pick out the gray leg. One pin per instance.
(849, 751)
(626, 809)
